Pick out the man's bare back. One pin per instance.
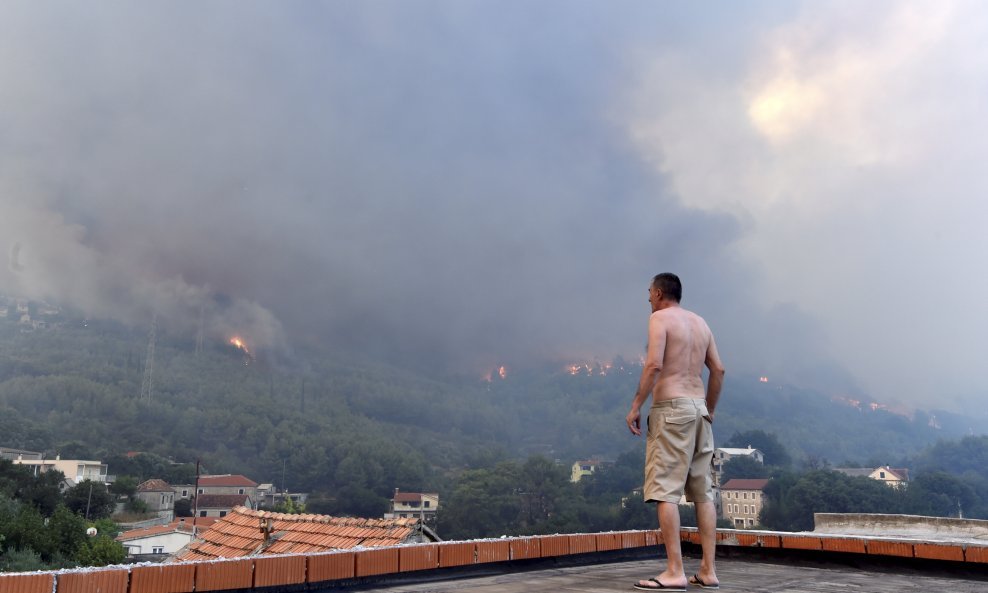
(679, 344)
(687, 339)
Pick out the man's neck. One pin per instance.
(664, 304)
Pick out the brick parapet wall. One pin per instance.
(346, 565)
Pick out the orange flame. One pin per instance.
(239, 343)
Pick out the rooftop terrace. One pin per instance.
(750, 561)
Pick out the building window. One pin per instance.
(158, 550)
(881, 475)
(751, 522)
(426, 504)
(241, 491)
(745, 509)
(222, 513)
(162, 499)
(200, 491)
(745, 496)
(202, 513)
(185, 493)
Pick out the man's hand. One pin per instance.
(634, 420)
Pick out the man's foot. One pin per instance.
(653, 584)
(696, 580)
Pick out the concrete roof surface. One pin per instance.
(740, 575)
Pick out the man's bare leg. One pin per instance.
(706, 518)
(673, 575)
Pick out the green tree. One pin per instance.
(101, 550)
(290, 507)
(21, 561)
(106, 527)
(183, 507)
(92, 497)
(66, 533)
(124, 486)
(743, 467)
(484, 503)
(940, 494)
(543, 489)
(792, 499)
(775, 454)
(613, 482)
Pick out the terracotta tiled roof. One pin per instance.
(154, 485)
(226, 480)
(745, 484)
(200, 523)
(154, 530)
(239, 534)
(411, 496)
(219, 501)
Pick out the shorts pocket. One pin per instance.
(680, 418)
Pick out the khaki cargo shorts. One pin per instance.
(680, 447)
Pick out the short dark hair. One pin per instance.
(670, 285)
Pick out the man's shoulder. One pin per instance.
(677, 311)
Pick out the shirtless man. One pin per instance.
(680, 440)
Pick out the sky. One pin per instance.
(465, 184)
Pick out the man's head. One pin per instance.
(665, 287)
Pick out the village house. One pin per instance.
(159, 496)
(895, 477)
(724, 454)
(585, 467)
(405, 505)
(184, 491)
(219, 505)
(741, 501)
(227, 484)
(74, 470)
(158, 539)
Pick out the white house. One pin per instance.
(160, 539)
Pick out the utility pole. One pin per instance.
(195, 506)
(89, 500)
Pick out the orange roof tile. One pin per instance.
(226, 480)
(239, 534)
(154, 485)
(219, 501)
(153, 530)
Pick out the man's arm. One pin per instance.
(650, 372)
(716, 379)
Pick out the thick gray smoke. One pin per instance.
(451, 183)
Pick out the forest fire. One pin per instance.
(501, 371)
(591, 368)
(237, 342)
